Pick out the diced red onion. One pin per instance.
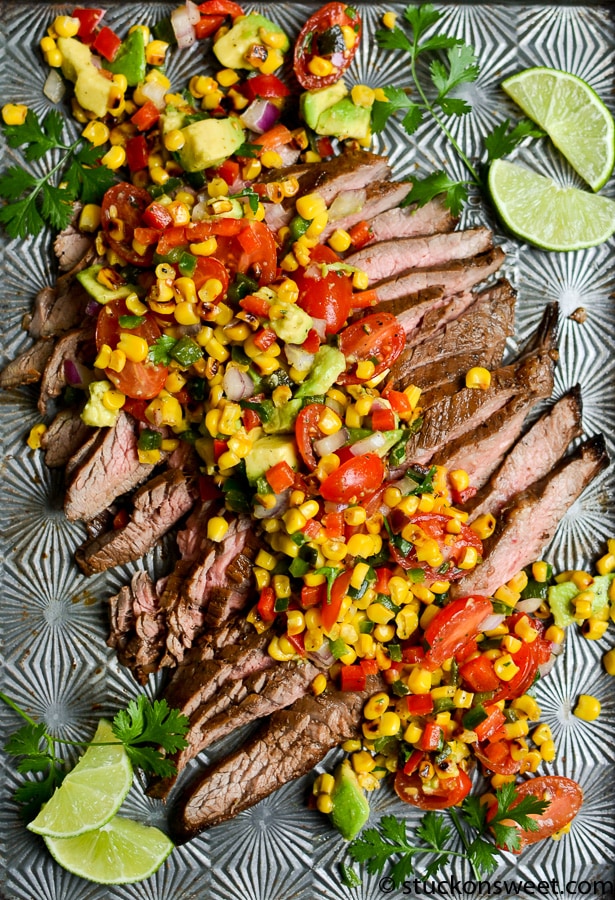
(338, 59)
(331, 507)
(298, 357)
(320, 327)
(492, 622)
(370, 444)
(530, 605)
(155, 92)
(288, 153)
(545, 668)
(282, 504)
(92, 308)
(54, 87)
(556, 648)
(237, 384)
(183, 28)
(331, 442)
(76, 374)
(260, 116)
(193, 12)
(346, 204)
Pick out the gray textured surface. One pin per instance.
(53, 619)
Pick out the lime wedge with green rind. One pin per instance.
(121, 852)
(91, 793)
(539, 211)
(574, 117)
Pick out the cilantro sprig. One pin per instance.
(389, 844)
(452, 63)
(33, 201)
(148, 730)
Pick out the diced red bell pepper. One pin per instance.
(250, 240)
(264, 338)
(146, 236)
(311, 529)
(146, 116)
(264, 86)
(479, 675)
(297, 642)
(431, 737)
(207, 489)
(419, 704)
(266, 604)
(399, 401)
(137, 153)
(207, 25)
(107, 43)
(333, 525)
(383, 420)
(364, 299)
(353, 678)
(360, 234)
(324, 147)
(120, 519)
(157, 216)
(463, 496)
(136, 409)
(383, 576)
(369, 666)
(175, 236)
(280, 477)
(229, 171)
(413, 763)
(467, 650)
(221, 8)
(220, 447)
(89, 19)
(489, 726)
(312, 595)
(497, 751)
(250, 419)
(312, 341)
(411, 655)
(255, 305)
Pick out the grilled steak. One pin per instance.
(533, 456)
(62, 307)
(432, 218)
(75, 345)
(457, 414)
(290, 745)
(529, 523)
(365, 203)
(66, 434)
(157, 506)
(111, 468)
(399, 256)
(28, 367)
(71, 246)
(454, 277)
(137, 626)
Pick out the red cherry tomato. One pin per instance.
(455, 624)
(378, 337)
(322, 36)
(449, 791)
(497, 757)
(307, 430)
(327, 296)
(207, 267)
(259, 251)
(330, 609)
(434, 526)
(142, 380)
(354, 479)
(565, 800)
(121, 212)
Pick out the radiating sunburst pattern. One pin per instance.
(54, 620)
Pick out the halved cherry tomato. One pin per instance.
(528, 658)
(208, 267)
(354, 479)
(322, 36)
(566, 799)
(497, 757)
(330, 610)
(449, 792)
(378, 337)
(121, 212)
(207, 25)
(434, 526)
(265, 86)
(327, 296)
(452, 626)
(142, 380)
(479, 675)
(307, 430)
(221, 8)
(488, 729)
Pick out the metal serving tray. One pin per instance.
(54, 620)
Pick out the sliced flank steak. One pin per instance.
(65, 435)
(433, 218)
(136, 626)
(362, 204)
(75, 346)
(28, 367)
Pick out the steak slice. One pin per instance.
(28, 367)
(454, 277)
(111, 468)
(66, 434)
(432, 218)
(533, 456)
(365, 203)
(75, 345)
(157, 506)
(137, 626)
(71, 246)
(530, 522)
(288, 746)
(62, 307)
(397, 257)
(457, 414)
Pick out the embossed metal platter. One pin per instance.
(53, 620)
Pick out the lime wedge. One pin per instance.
(91, 793)
(120, 852)
(574, 117)
(542, 213)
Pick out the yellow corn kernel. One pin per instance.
(406, 622)
(413, 733)
(516, 729)
(271, 159)
(310, 205)
(511, 644)
(548, 751)
(149, 457)
(470, 558)
(324, 803)
(505, 667)
(606, 564)
(478, 377)
(483, 526)
(365, 369)
(103, 357)
(14, 113)
(289, 263)
(376, 706)
(429, 613)
(384, 633)
(155, 53)
(361, 545)
(355, 515)
(497, 781)
(313, 579)
(205, 248)
(400, 590)
(362, 95)
(309, 509)
(276, 652)
(96, 133)
(295, 619)
(47, 43)
(390, 724)
(528, 705)
(423, 593)
(459, 479)
(114, 158)
(89, 218)
(541, 734)
(329, 421)
(314, 639)
(133, 347)
(54, 58)
(274, 60)
(319, 685)
(360, 281)
(359, 573)
(588, 708)
(363, 762)
(34, 438)
(540, 571)
(379, 613)
(419, 681)
(113, 400)
(366, 646)
(174, 140)
(227, 77)
(608, 661)
(334, 550)
(389, 20)
(462, 699)
(294, 520)
(510, 598)
(525, 630)
(440, 587)
(339, 240)
(65, 26)
(581, 579)
(594, 629)
(320, 66)
(117, 360)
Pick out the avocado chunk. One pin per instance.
(282, 418)
(232, 48)
(329, 363)
(561, 596)
(350, 807)
(345, 120)
(172, 119)
(313, 103)
(267, 451)
(130, 59)
(89, 280)
(95, 412)
(290, 322)
(91, 87)
(209, 142)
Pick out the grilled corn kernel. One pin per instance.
(319, 685)
(310, 205)
(483, 526)
(548, 751)
(588, 708)
(34, 438)
(593, 629)
(469, 559)
(478, 377)
(135, 348)
(376, 706)
(419, 681)
(528, 705)
(505, 667)
(96, 133)
(155, 53)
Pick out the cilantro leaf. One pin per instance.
(425, 189)
(160, 350)
(393, 39)
(420, 18)
(14, 182)
(26, 741)
(381, 112)
(56, 206)
(483, 856)
(21, 218)
(501, 141)
(154, 725)
(462, 67)
(434, 830)
(475, 813)
(330, 573)
(88, 182)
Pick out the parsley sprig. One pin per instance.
(459, 66)
(389, 843)
(33, 202)
(148, 731)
